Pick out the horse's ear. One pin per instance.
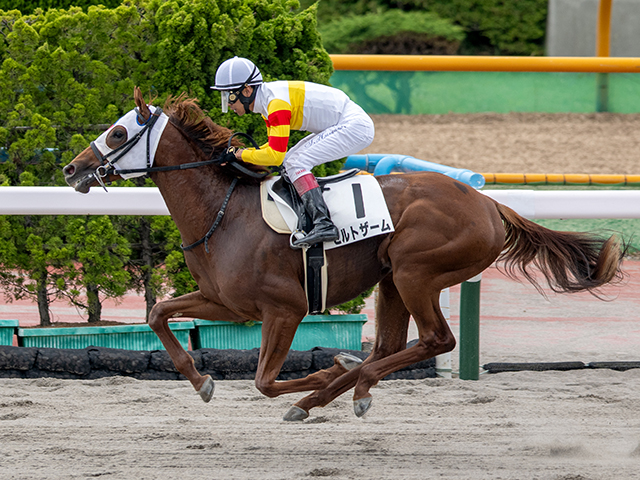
(140, 103)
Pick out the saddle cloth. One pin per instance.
(356, 204)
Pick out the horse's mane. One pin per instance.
(209, 137)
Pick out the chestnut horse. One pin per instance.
(445, 233)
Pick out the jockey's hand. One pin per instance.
(228, 156)
(239, 153)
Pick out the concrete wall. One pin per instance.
(572, 25)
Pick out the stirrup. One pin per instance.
(305, 242)
(293, 237)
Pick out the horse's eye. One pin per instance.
(116, 137)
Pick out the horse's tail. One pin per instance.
(569, 261)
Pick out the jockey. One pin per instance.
(338, 127)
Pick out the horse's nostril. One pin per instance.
(69, 170)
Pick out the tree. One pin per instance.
(29, 6)
(61, 73)
(151, 239)
(101, 253)
(178, 278)
(34, 261)
(68, 72)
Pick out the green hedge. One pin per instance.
(492, 27)
(349, 34)
(27, 7)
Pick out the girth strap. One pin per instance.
(313, 277)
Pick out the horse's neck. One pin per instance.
(191, 200)
(193, 196)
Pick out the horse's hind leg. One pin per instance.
(435, 338)
(392, 323)
(277, 336)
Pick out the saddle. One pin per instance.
(315, 264)
(357, 207)
(284, 189)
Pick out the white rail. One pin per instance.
(570, 203)
(66, 201)
(148, 201)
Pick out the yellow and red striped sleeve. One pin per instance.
(278, 129)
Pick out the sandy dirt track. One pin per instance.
(576, 425)
(533, 425)
(516, 142)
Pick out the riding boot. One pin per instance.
(323, 228)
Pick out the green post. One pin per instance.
(470, 329)
(602, 92)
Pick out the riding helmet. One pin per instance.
(232, 76)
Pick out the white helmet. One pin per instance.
(233, 75)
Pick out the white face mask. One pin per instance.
(137, 156)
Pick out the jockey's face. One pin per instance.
(238, 106)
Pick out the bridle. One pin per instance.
(107, 166)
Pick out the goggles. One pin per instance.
(229, 97)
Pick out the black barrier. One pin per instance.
(558, 366)
(99, 362)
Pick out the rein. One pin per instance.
(217, 221)
(102, 171)
(107, 167)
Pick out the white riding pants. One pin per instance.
(351, 134)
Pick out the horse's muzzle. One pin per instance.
(80, 183)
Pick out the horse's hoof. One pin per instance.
(206, 391)
(362, 405)
(347, 360)
(295, 414)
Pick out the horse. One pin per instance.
(445, 233)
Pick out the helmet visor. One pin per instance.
(224, 96)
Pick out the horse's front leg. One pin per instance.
(191, 305)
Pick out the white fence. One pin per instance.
(148, 201)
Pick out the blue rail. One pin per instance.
(383, 164)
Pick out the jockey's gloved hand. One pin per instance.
(229, 155)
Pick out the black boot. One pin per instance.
(323, 228)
